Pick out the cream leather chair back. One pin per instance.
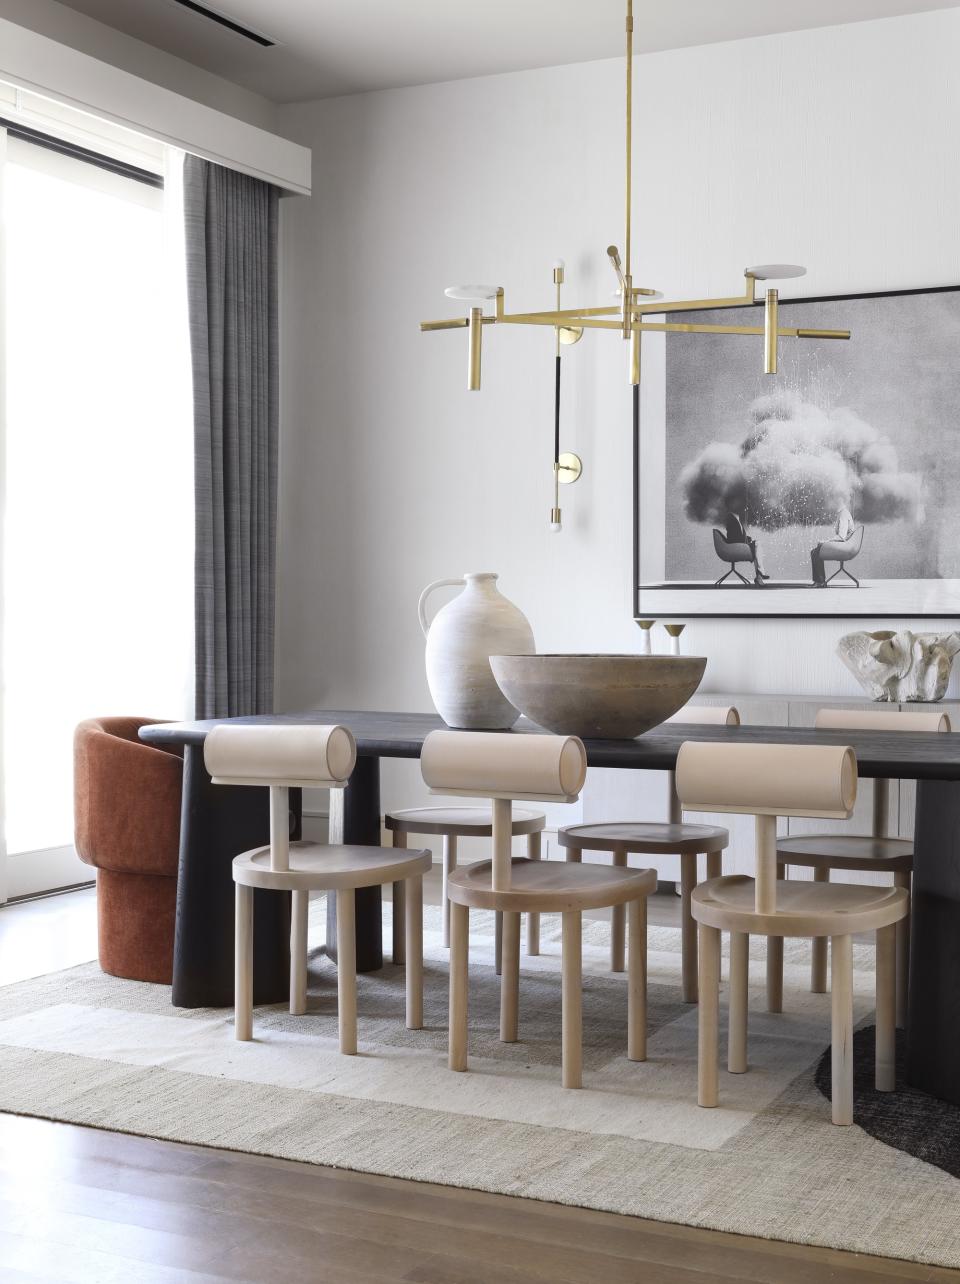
(504, 766)
(282, 758)
(933, 722)
(767, 781)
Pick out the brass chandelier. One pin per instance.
(632, 310)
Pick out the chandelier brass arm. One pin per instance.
(631, 311)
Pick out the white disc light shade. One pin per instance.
(471, 293)
(776, 271)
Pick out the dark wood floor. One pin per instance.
(78, 1205)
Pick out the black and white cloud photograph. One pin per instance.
(830, 488)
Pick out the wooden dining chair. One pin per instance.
(503, 768)
(453, 823)
(285, 757)
(653, 838)
(876, 852)
(767, 781)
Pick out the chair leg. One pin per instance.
(818, 962)
(243, 964)
(885, 1070)
(572, 1000)
(708, 1017)
(742, 578)
(637, 980)
(739, 995)
(498, 943)
(775, 963)
(714, 864)
(398, 952)
(717, 583)
(347, 970)
(449, 865)
(903, 957)
(533, 919)
(298, 953)
(510, 979)
(841, 1049)
(688, 929)
(618, 922)
(459, 965)
(413, 926)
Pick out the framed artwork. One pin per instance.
(829, 489)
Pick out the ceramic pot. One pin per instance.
(478, 623)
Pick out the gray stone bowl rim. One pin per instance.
(591, 655)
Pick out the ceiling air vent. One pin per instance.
(222, 20)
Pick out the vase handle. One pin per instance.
(421, 605)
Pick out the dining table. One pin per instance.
(220, 821)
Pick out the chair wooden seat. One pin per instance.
(847, 851)
(317, 867)
(464, 822)
(552, 887)
(655, 838)
(802, 908)
(648, 838)
(453, 823)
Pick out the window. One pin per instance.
(98, 536)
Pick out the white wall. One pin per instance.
(837, 148)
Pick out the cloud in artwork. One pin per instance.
(799, 465)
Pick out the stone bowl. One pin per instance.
(600, 697)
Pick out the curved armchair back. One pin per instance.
(126, 798)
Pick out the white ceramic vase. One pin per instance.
(478, 623)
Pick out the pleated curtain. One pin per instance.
(231, 258)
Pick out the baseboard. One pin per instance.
(46, 870)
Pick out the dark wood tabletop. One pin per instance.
(904, 755)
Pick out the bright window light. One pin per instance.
(98, 576)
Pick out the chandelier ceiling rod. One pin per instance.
(632, 310)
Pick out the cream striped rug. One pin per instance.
(86, 1048)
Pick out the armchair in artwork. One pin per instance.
(732, 553)
(842, 551)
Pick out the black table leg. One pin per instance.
(217, 823)
(933, 1048)
(355, 818)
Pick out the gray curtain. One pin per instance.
(231, 251)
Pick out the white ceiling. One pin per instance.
(328, 47)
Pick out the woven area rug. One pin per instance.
(86, 1048)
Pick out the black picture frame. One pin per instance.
(639, 613)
